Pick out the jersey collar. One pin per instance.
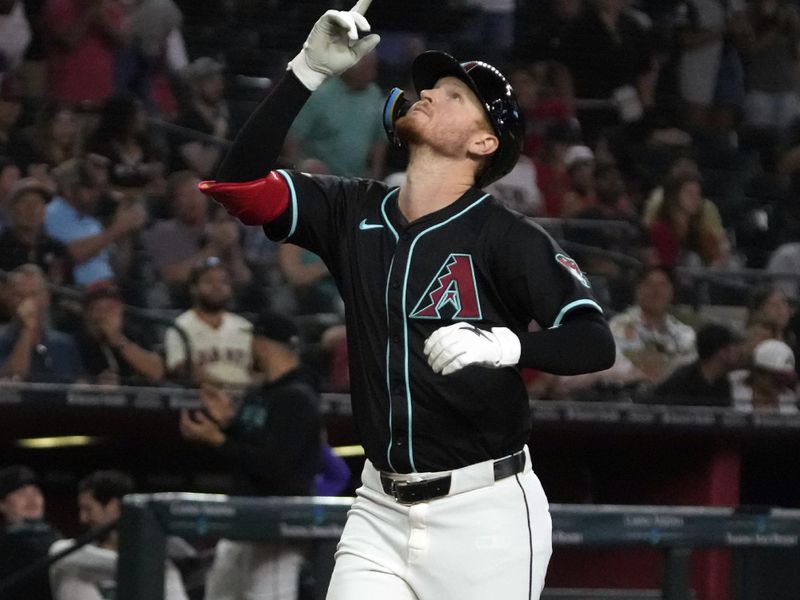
(400, 223)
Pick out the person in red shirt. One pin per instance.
(678, 233)
(551, 168)
(81, 36)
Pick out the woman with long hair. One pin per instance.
(678, 233)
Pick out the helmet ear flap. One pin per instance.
(395, 107)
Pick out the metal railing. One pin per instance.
(148, 519)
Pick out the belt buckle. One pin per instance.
(394, 487)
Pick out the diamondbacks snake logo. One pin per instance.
(452, 294)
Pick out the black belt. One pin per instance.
(409, 492)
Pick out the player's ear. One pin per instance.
(483, 143)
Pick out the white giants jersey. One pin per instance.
(224, 353)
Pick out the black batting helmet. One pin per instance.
(492, 89)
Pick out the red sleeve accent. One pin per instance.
(252, 202)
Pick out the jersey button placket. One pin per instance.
(400, 402)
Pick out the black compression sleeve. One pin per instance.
(582, 344)
(259, 141)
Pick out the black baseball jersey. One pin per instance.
(472, 261)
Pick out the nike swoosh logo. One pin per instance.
(363, 226)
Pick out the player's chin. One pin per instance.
(408, 129)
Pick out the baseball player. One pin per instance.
(440, 283)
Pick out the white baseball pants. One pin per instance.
(486, 539)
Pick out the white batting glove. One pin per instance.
(333, 46)
(451, 348)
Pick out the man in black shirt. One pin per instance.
(108, 353)
(25, 536)
(272, 440)
(25, 241)
(705, 381)
(440, 282)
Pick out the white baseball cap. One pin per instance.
(775, 356)
(578, 153)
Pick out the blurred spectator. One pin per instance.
(785, 259)
(769, 383)
(334, 474)
(90, 572)
(70, 218)
(518, 189)
(24, 241)
(551, 168)
(30, 350)
(52, 140)
(612, 203)
(542, 26)
(341, 124)
(312, 284)
(758, 329)
(10, 110)
(334, 343)
(121, 136)
(546, 96)
(81, 37)
(705, 382)
(678, 233)
(652, 339)
(580, 164)
(9, 175)
(25, 535)
(207, 112)
(710, 74)
(157, 49)
(623, 381)
(272, 442)
(220, 341)
(709, 219)
(610, 58)
(771, 305)
(491, 20)
(178, 244)
(108, 353)
(15, 35)
(771, 64)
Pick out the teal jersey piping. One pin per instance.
(388, 340)
(385, 216)
(293, 194)
(572, 305)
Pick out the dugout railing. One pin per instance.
(677, 531)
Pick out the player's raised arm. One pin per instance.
(244, 184)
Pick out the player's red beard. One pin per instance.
(448, 142)
(411, 132)
(407, 132)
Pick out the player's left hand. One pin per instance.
(454, 347)
(333, 46)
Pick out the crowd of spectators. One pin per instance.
(662, 150)
(659, 134)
